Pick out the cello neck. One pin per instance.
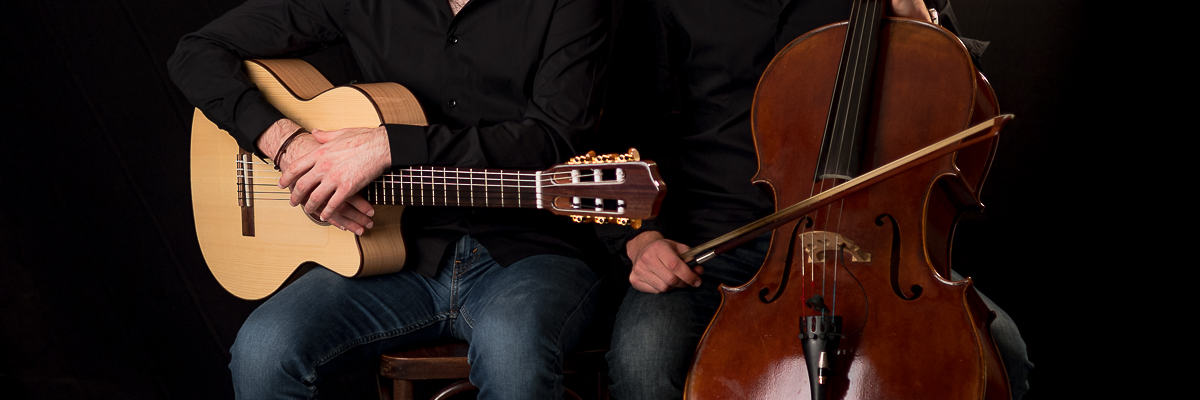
(846, 125)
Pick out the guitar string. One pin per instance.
(514, 175)
(427, 177)
(478, 181)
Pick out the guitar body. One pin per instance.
(253, 266)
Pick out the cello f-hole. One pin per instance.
(805, 223)
(894, 261)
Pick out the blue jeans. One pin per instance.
(520, 321)
(656, 335)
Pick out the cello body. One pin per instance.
(881, 257)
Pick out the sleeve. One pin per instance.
(947, 19)
(616, 237)
(207, 64)
(563, 105)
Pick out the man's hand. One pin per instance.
(327, 179)
(656, 264)
(914, 9)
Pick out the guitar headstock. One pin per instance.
(607, 188)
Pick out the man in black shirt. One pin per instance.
(505, 84)
(710, 56)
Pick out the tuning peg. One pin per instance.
(631, 155)
(592, 158)
(635, 223)
(583, 219)
(583, 159)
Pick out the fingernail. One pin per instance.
(370, 224)
(359, 232)
(370, 213)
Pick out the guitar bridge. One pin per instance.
(245, 181)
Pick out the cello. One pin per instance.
(855, 299)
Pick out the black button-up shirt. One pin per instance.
(504, 84)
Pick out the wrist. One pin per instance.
(634, 246)
(270, 140)
(278, 159)
(384, 159)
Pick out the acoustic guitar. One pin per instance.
(253, 240)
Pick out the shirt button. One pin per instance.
(453, 40)
(452, 103)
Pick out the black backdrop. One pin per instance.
(104, 293)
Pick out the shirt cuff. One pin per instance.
(254, 116)
(616, 237)
(408, 144)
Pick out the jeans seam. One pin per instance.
(378, 336)
(559, 339)
(459, 272)
(454, 286)
(559, 356)
(467, 318)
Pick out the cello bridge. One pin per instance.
(816, 243)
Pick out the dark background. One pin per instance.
(104, 293)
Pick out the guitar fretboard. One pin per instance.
(575, 190)
(457, 187)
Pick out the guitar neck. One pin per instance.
(457, 187)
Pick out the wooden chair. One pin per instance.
(448, 360)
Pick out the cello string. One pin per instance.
(850, 97)
(850, 117)
(835, 136)
(863, 57)
(847, 72)
(854, 88)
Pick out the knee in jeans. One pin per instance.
(640, 357)
(266, 349)
(515, 368)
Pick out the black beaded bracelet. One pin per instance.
(283, 148)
